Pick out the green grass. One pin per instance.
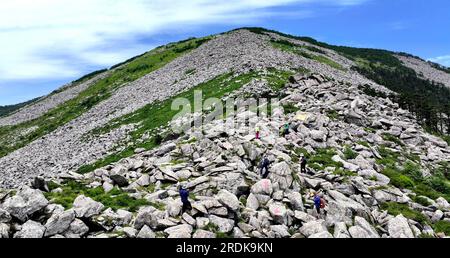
(392, 138)
(420, 200)
(333, 114)
(398, 179)
(364, 143)
(349, 153)
(411, 177)
(323, 159)
(395, 209)
(442, 227)
(290, 108)
(115, 199)
(297, 49)
(99, 91)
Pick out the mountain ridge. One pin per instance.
(110, 157)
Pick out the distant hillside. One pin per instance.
(8, 109)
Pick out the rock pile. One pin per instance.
(228, 195)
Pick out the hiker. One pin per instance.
(285, 130)
(184, 194)
(303, 161)
(319, 203)
(257, 130)
(265, 166)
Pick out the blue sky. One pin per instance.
(47, 43)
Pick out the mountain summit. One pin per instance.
(372, 124)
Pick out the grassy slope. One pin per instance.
(101, 90)
(300, 50)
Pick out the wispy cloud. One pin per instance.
(399, 25)
(443, 60)
(59, 38)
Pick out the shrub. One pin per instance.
(420, 200)
(413, 171)
(395, 209)
(290, 108)
(442, 226)
(398, 179)
(392, 138)
(115, 199)
(349, 153)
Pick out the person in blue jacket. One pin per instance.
(184, 194)
(317, 203)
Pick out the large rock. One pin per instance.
(442, 204)
(252, 202)
(146, 232)
(363, 229)
(5, 217)
(31, 229)
(76, 229)
(119, 180)
(296, 200)
(370, 173)
(323, 234)
(200, 233)
(147, 217)
(4, 230)
(340, 230)
(398, 227)
(318, 135)
(180, 231)
(25, 203)
(85, 207)
(278, 212)
(281, 173)
(228, 199)
(280, 231)
(224, 225)
(337, 213)
(263, 186)
(58, 223)
(313, 227)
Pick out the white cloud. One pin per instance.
(55, 38)
(443, 60)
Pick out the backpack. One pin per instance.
(322, 203)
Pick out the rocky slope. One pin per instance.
(380, 172)
(64, 149)
(229, 197)
(426, 70)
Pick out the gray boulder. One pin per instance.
(200, 233)
(85, 207)
(398, 227)
(25, 203)
(228, 199)
(58, 223)
(180, 231)
(313, 227)
(146, 232)
(31, 229)
(224, 225)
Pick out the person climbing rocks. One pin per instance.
(303, 161)
(317, 202)
(184, 194)
(285, 129)
(264, 167)
(257, 132)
